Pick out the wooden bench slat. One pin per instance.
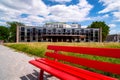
(86, 75)
(66, 69)
(53, 71)
(104, 66)
(106, 52)
(68, 72)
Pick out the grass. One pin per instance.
(39, 48)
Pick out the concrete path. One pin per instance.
(14, 66)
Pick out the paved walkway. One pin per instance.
(14, 66)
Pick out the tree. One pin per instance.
(4, 33)
(103, 25)
(12, 29)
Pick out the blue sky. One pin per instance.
(84, 12)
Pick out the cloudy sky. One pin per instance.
(84, 12)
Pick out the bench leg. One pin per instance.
(41, 75)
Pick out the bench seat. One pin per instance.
(66, 72)
(55, 58)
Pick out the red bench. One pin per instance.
(68, 72)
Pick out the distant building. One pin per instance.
(113, 38)
(58, 32)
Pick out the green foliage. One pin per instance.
(4, 33)
(103, 25)
(12, 29)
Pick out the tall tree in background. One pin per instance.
(12, 29)
(4, 33)
(103, 25)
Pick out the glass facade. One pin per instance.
(58, 33)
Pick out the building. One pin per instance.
(113, 38)
(58, 32)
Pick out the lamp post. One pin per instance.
(17, 33)
(100, 34)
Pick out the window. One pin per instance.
(28, 33)
(60, 26)
(73, 31)
(22, 38)
(96, 33)
(22, 29)
(68, 31)
(77, 32)
(39, 32)
(22, 33)
(44, 31)
(54, 30)
(28, 30)
(91, 38)
(28, 40)
(34, 29)
(33, 37)
(49, 31)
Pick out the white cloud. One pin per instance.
(10, 10)
(113, 31)
(110, 5)
(99, 18)
(2, 23)
(84, 26)
(35, 18)
(33, 7)
(105, 16)
(112, 25)
(61, 1)
(117, 15)
(72, 13)
(32, 20)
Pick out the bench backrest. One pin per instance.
(104, 66)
